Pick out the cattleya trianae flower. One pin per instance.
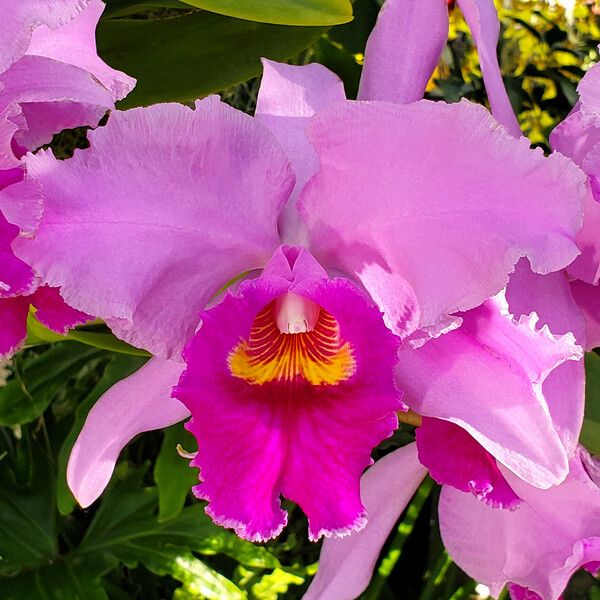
(50, 79)
(350, 248)
(363, 267)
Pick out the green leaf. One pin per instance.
(126, 528)
(62, 580)
(105, 341)
(172, 473)
(27, 518)
(38, 334)
(432, 590)
(119, 367)
(353, 36)
(464, 592)
(199, 580)
(29, 393)
(187, 57)
(273, 584)
(281, 12)
(344, 65)
(590, 433)
(119, 8)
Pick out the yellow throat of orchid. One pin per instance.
(292, 338)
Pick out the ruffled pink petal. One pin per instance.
(589, 90)
(551, 298)
(394, 296)
(453, 457)
(16, 277)
(44, 119)
(452, 226)
(21, 17)
(537, 546)
(13, 324)
(308, 442)
(34, 81)
(576, 135)
(588, 299)
(143, 228)
(54, 312)
(136, 404)
(487, 377)
(75, 43)
(482, 18)
(21, 200)
(20, 211)
(587, 265)
(289, 95)
(8, 128)
(403, 50)
(40, 79)
(346, 565)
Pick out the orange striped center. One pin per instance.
(319, 356)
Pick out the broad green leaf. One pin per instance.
(105, 341)
(281, 12)
(126, 527)
(187, 57)
(119, 367)
(120, 8)
(38, 334)
(29, 393)
(590, 433)
(27, 518)
(172, 473)
(62, 580)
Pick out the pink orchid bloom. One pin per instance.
(337, 212)
(50, 79)
(456, 454)
(538, 546)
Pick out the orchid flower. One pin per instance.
(456, 455)
(578, 138)
(50, 75)
(50, 79)
(536, 547)
(347, 234)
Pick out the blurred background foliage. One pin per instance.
(147, 538)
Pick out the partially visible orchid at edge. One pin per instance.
(50, 79)
(372, 269)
